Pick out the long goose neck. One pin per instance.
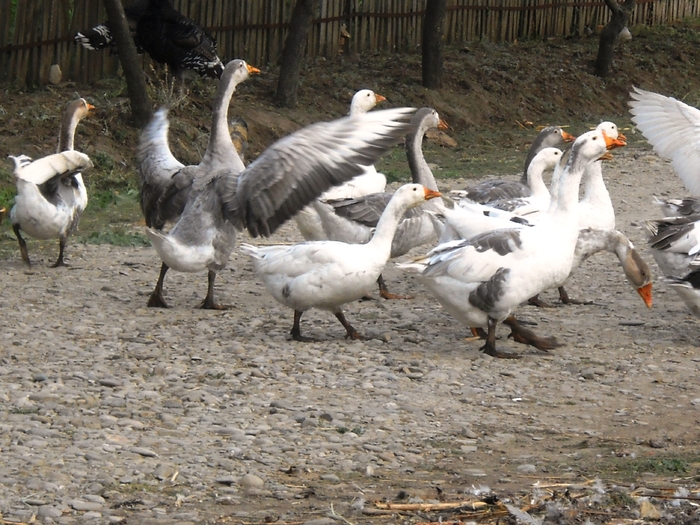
(534, 178)
(569, 183)
(605, 240)
(387, 225)
(594, 188)
(66, 137)
(420, 171)
(220, 141)
(536, 146)
(619, 245)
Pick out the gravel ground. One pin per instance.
(112, 412)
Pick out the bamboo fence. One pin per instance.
(34, 34)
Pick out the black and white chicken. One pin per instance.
(166, 35)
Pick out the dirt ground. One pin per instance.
(413, 415)
(601, 430)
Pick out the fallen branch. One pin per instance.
(470, 505)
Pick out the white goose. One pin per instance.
(673, 129)
(596, 218)
(538, 200)
(329, 274)
(596, 222)
(48, 204)
(369, 181)
(283, 179)
(165, 182)
(467, 219)
(497, 189)
(353, 220)
(675, 245)
(482, 280)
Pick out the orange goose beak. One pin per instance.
(613, 143)
(430, 194)
(645, 293)
(379, 98)
(567, 137)
(252, 70)
(443, 125)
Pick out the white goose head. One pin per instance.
(412, 195)
(546, 159)
(239, 71)
(611, 130)
(364, 100)
(593, 145)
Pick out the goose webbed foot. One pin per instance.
(386, 294)
(493, 352)
(489, 347)
(528, 337)
(22, 245)
(296, 331)
(156, 300)
(209, 303)
(477, 333)
(536, 301)
(61, 248)
(351, 333)
(565, 299)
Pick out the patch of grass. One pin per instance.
(356, 430)
(621, 499)
(632, 468)
(112, 217)
(103, 161)
(662, 466)
(24, 410)
(116, 237)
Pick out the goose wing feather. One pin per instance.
(673, 129)
(676, 234)
(164, 180)
(298, 168)
(40, 171)
(365, 210)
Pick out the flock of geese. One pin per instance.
(497, 245)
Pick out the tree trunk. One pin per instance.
(141, 107)
(293, 53)
(608, 36)
(432, 59)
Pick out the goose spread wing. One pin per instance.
(298, 168)
(156, 162)
(164, 180)
(673, 129)
(40, 171)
